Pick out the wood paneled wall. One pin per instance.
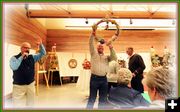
(19, 28)
(141, 40)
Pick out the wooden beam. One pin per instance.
(100, 14)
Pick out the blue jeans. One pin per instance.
(98, 83)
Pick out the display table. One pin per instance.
(84, 80)
(50, 73)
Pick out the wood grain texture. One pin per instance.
(78, 40)
(19, 28)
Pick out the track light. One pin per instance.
(173, 22)
(27, 9)
(26, 6)
(86, 21)
(130, 21)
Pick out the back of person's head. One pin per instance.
(124, 76)
(160, 79)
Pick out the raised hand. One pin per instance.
(39, 41)
(109, 44)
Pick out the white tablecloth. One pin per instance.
(84, 80)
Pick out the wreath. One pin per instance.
(114, 37)
(72, 63)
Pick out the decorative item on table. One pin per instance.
(168, 58)
(122, 63)
(86, 64)
(155, 60)
(53, 48)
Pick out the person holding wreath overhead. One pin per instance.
(99, 69)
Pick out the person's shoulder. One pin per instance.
(120, 88)
(137, 56)
(135, 92)
(16, 56)
(31, 56)
(115, 90)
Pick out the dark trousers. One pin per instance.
(136, 83)
(98, 83)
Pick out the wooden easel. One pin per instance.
(53, 63)
(40, 69)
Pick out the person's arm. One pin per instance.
(40, 54)
(15, 63)
(141, 67)
(91, 43)
(113, 55)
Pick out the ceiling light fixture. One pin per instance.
(130, 21)
(173, 22)
(86, 21)
(27, 10)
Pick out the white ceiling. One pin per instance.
(79, 23)
(152, 7)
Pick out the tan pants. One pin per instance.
(23, 95)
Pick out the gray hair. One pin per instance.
(162, 80)
(124, 76)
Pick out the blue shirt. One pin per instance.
(15, 63)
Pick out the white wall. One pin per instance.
(64, 58)
(10, 50)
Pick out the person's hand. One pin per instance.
(133, 74)
(94, 27)
(25, 55)
(94, 33)
(39, 41)
(109, 44)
